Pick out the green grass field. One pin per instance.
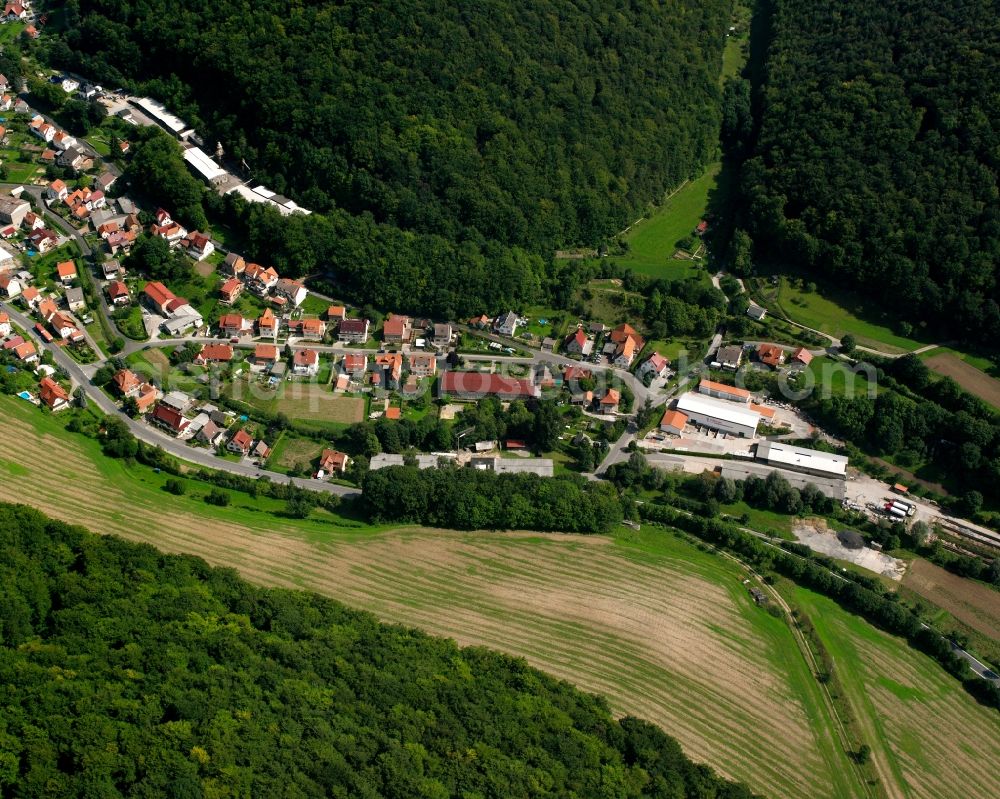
(301, 401)
(653, 241)
(838, 312)
(663, 628)
(934, 738)
(290, 451)
(734, 56)
(834, 379)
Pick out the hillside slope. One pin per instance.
(877, 159)
(529, 123)
(124, 671)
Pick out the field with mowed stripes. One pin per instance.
(934, 739)
(662, 629)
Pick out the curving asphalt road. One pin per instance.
(153, 436)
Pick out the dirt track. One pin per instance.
(973, 380)
(966, 600)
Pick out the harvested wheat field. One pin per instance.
(968, 601)
(973, 380)
(663, 630)
(936, 740)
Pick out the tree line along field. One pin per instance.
(665, 631)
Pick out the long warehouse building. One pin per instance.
(800, 459)
(716, 414)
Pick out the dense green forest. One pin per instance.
(920, 418)
(470, 499)
(877, 155)
(495, 131)
(126, 672)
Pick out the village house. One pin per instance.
(480, 322)
(260, 451)
(145, 398)
(26, 352)
(754, 311)
(673, 422)
(158, 297)
(259, 279)
(15, 11)
(306, 328)
(5, 327)
(172, 233)
(52, 394)
(355, 365)
(305, 362)
(31, 32)
(42, 129)
(230, 291)
(33, 221)
(169, 417)
(802, 356)
(655, 364)
(120, 242)
(233, 265)
(75, 158)
(423, 364)
(506, 325)
(112, 269)
(214, 353)
(210, 434)
(10, 285)
(771, 354)
(42, 240)
(730, 357)
(126, 382)
(472, 386)
(56, 190)
(626, 352)
(105, 181)
(391, 366)
(443, 335)
(31, 297)
(75, 300)
(106, 229)
(333, 461)
(63, 141)
(397, 329)
(336, 313)
(267, 325)
(240, 443)
(354, 331)
(610, 401)
(63, 325)
(292, 290)
(47, 308)
(199, 246)
(577, 343)
(265, 355)
(231, 324)
(66, 271)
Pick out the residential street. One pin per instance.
(152, 436)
